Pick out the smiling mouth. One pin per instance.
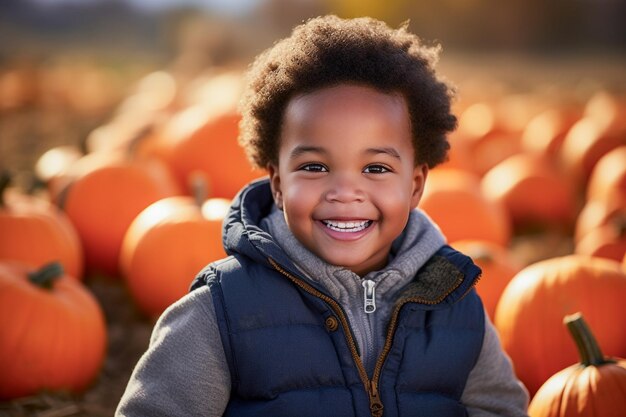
(347, 226)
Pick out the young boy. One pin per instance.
(339, 297)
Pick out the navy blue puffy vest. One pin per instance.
(291, 352)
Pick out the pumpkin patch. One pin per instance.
(534, 191)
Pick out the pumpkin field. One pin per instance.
(99, 235)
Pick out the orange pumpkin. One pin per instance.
(213, 149)
(596, 213)
(104, 202)
(454, 200)
(498, 268)
(594, 387)
(493, 148)
(544, 133)
(605, 241)
(530, 311)
(166, 245)
(607, 109)
(585, 143)
(58, 184)
(533, 192)
(489, 140)
(477, 120)
(515, 110)
(608, 177)
(35, 232)
(601, 129)
(203, 137)
(53, 331)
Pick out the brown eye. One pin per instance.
(376, 169)
(314, 168)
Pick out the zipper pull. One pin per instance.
(369, 296)
(376, 405)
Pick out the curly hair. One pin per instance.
(326, 51)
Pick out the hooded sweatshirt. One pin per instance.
(184, 371)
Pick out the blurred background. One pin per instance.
(66, 64)
(84, 77)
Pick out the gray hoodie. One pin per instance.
(184, 371)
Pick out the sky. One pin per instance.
(224, 6)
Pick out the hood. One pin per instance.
(242, 232)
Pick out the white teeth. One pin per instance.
(347, 226)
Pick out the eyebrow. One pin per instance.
(301, 149)
(389, 151)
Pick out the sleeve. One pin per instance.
(492, 388)
(184, 371)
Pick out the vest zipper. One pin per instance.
(369, 296)
(376, 405)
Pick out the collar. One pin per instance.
(419, 241)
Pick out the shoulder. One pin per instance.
(235, 279)
(445, 279)
(458, 259)
(193, 309)
(215, 271)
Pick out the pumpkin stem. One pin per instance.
(199, 187)
(5, 181)
(588, 348)
(45, 276)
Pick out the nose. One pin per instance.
(345, 188)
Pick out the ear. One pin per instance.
(420, 173)
(275, 185)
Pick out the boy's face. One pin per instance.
(346, 178)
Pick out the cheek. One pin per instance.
(299, 201)
(394, 205)
(394, 198)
